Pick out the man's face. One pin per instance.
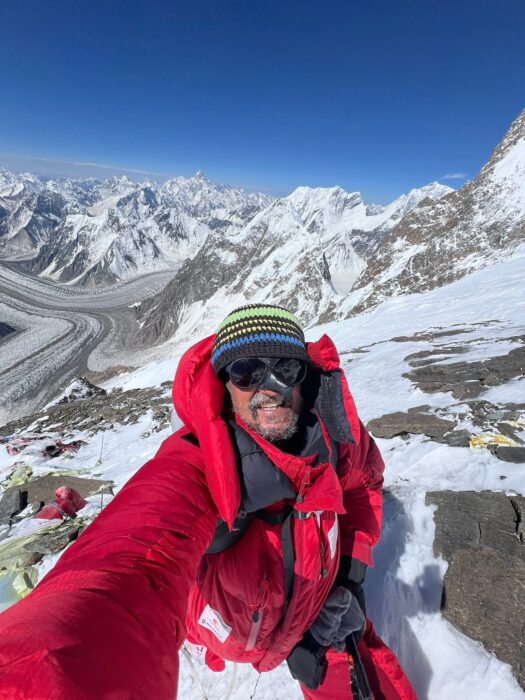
(266, 412)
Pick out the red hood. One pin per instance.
(198, 398)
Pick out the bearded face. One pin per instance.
(268, 413)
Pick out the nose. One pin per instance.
(272, 383)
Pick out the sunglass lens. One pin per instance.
(247, 372)
(291, 370)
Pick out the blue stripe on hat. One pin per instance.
(259, 337)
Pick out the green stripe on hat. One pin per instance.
(246, 312)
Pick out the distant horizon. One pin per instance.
(107, 172)
(375, 97)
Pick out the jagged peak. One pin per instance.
(514, 138)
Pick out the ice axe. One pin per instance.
(358, 678)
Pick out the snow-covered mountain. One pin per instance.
(31, 208)
(322, 252)
(326, 255)
(445, 239)
(93, 233)
(303, 251)
(129, 228)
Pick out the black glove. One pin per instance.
(340, 616)
(307, 662)
(351, 575)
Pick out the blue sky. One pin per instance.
(372, 95)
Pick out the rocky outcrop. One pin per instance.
(100, 412)
(465, 379)
(480, 535)
(411, 422)
(80, 389)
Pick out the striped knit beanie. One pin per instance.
(257, 331)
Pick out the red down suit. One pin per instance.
(107, 621)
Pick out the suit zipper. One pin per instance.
(257, 617)
(322, 549)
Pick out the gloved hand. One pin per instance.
(307, 662)
(351, 575)
(340, 616)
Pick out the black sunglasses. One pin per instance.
(250, 372)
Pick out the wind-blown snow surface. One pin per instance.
(404, 588)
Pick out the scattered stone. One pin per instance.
(11, 503)
(455, 438)
(392, 424)
(481, 537)
(516, 455)
(510, 431)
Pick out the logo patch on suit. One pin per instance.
(211, 619)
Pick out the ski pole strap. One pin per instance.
(360, 685)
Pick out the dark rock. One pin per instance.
(43, 489)
(510, 431)
(56, 540)
(426, 357)
(516, 455)
(480, 535)
(468, 379)
(455, 438)
(11, 503)
(469, 390)
(427, 335)
(393, 424)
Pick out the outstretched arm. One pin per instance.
(108, 620)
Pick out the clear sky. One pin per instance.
(373, 95)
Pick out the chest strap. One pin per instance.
(284, 518)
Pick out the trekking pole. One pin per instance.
(358, 678)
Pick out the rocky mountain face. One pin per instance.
(442, 240)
